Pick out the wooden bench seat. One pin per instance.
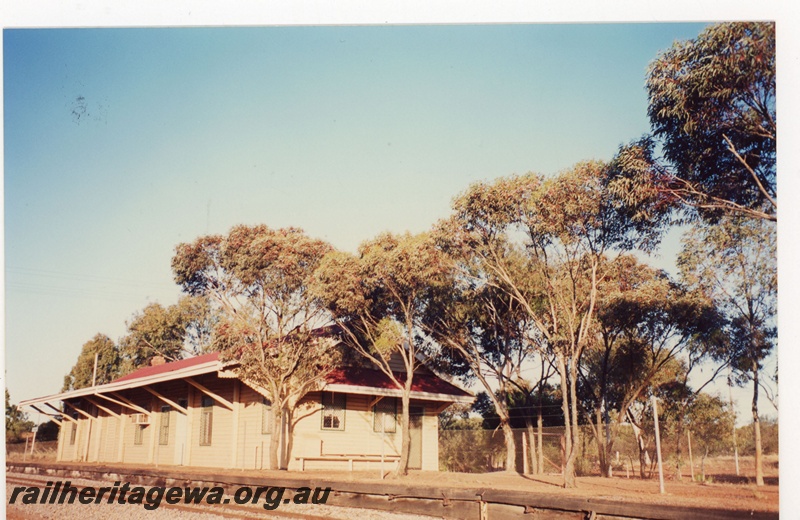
(350, 458)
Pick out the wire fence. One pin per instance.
(685, 455)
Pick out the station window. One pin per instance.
(74, 431)
(333, 407)
(266, 416)
(206, 419)
(138, 434)
(384, 415)
(163, 431)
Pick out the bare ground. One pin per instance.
(725, 490)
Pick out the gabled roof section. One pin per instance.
(165, 368)
(371, 382)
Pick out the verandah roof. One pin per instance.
(345, 380)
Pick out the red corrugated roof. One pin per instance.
(342, 376)
(169, 367)
(376, 379)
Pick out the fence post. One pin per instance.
(658, 447)
(525, 466)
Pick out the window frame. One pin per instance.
(138, 435)
(206, 420)
(73, 434)
(163, 425)
(376, 413)
(267, 417)
(332, 407)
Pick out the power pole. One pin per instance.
(94, 372)
(658, 447)
(733, 411)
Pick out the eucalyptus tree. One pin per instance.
(487, 331)
(670, 388)
(565, 225)
(735, 263)
(258, 278)
(713, 116)
(710, 420)
(109, 364)
(378, 298)
(17, 422)
(645, 320)
(171, 332)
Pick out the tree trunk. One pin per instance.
(703, 466)
(602, 449)
(540, 450)
(644, 462)
(603, 437)
(405, 447)
(757, 428)
(678, 458)
(275, 439)
(569, 464)
(609, 438)
(637, 432)
(572, 451)
(288, 440)
(511, 445)
(501, 408)
(531, 433)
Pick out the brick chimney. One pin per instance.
(157, 360)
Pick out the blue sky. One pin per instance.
(122, 143)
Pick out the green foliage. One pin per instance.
(466, 447)
(378, 299)
(712, 111)
(711, 422)
(454, 416)
(268, 325)
(522, 408)
(735, 262)
(109, 363)
(47, 432)
(155, 331)
(769, 437)
(645, 320)
(563, 227)
(258, 278)
(485, 336)
(388, 337)
(646, 323)
(17, 421)
(379, 296)
(171, 332)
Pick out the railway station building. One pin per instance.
(197, 412)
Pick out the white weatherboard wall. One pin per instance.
(238, 437)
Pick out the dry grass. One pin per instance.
(43, 452)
